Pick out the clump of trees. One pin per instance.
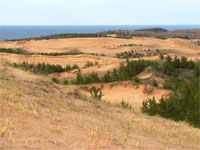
(129, 54)
(170, 65)
(183, 104)
(43, 68)
(134, 54)
(124, 73)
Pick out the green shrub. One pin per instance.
(88, 64)
(137, 80)
(65, 82)
(161, 57)
(154, 83)
(75, 66)
(55, 80)
(96, 93)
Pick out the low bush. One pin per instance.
(137, 80)
(154, 83)
(88, 64)
(96, 93)
(125, 105)
(55, 80)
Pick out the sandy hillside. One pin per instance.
(108, 46)
(38, 114)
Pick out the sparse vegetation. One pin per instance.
(130, 45)
(129, 54)
(134, 54)
(96, 93)
(197, 43)
(125, 104)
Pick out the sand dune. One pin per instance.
(108, 46)
(128, 91)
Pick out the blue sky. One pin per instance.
(99, 12)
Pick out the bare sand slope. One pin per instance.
(128, 91)
(108, 46)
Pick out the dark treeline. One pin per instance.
(157, 33)
(183, 104)
(21, 51)
(65, 35)
(43, 68)
(60, 54)
(129, 45)
(14, 51)
(124, 73)
(67, 53)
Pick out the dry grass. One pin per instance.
(37, 114)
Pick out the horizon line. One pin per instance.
(111, 25)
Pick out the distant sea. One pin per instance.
(20, 32)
